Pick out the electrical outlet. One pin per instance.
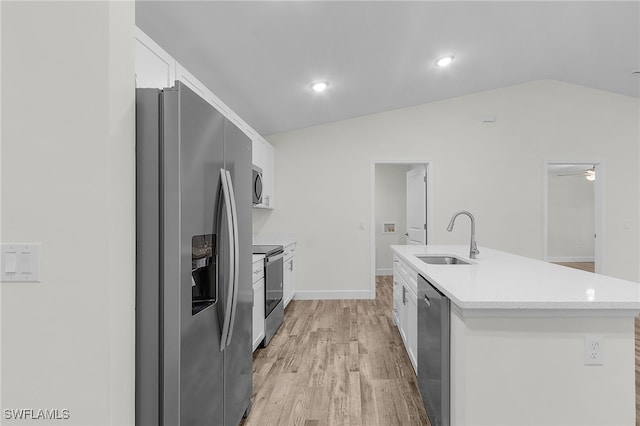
(593, 350)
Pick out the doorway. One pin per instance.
(573, 214)
(394, 186)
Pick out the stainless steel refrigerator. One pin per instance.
(193, 274)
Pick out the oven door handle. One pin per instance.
(275, 258)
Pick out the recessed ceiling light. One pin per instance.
(319, 86)
(443, 62)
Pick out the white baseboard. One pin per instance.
(384, 271)
(571, 259)
(332, 294)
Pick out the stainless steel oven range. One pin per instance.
(273, 292)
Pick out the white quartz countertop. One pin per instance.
(499, 281)
(257, 257)
(275, 239)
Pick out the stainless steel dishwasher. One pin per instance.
(434, 331)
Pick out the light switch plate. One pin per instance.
(20, 262)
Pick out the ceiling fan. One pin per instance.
(589, 174)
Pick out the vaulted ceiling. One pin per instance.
(260, 58)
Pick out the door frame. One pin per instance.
(599, 210)
(372, 209)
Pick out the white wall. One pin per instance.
(571, 203)
(494, 170)
(530, 371)
(391, 205)
(68, 182)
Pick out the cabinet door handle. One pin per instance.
(404, 295)
(426, 300)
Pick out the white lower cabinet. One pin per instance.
(412, 328)
(405, 307)
(397, 301)
(289, 274)
(258, 303)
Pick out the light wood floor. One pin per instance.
(336, 362)
(585, 266)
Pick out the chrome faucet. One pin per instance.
(473, 249)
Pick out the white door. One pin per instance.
(416, 206)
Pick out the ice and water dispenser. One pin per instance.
(203, 272)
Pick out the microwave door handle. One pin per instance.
(236, 256)
(229, 293)
(257, 186)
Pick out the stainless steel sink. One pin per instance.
(443, 260)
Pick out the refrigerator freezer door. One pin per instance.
(193, 152)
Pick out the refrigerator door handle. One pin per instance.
(232, 260)
(236, 256)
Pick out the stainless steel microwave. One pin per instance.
(257, 185)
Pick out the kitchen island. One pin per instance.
(518, 332)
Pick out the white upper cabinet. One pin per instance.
(156, 68)
(197, 86)
(191, 81)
